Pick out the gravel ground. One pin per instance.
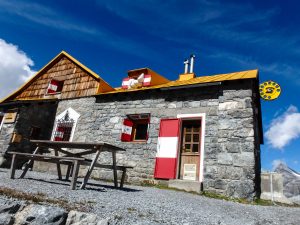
(146, 205)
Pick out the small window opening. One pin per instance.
(135, 127)
(64, 128)
(34, 133)
(55, 87)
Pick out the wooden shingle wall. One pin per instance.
(77, 82)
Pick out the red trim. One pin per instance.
(126, 136)
(169, 128)
(148, 83)
(165, 168)
(125, 86)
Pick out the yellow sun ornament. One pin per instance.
(269, 90)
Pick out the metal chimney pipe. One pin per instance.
(192, 63)
(186, 65)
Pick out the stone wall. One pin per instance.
(230, 144)
(28, 115)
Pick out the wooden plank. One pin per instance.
(74, 175)
(105, 166)
(58, 165)
(123, 178)
(37, 156)
(13, 167)
(115, 169)
(77, 145)
(69, 169)
(30, 162)
(90, 169)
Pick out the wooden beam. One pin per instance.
(90, 169)
(58, 165)
(115, 169)
(13, 167)
(74, 175)
(29, 162)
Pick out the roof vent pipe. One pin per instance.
(186, 65)
(192, 57)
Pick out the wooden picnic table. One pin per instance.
(72, 159)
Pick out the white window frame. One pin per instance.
(202, 117)
(73, 115)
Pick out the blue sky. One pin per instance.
(112, 37)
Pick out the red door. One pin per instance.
(166, 156)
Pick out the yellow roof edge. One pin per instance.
(93, 74)
(187, 82)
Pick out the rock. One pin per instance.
(230, 105)
(7, 211)
(81, 218)
(224, 159)
(114, 120)
(10, 208)
(6, 219)
(39, 215)
(244, 159)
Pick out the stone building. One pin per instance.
(202, 132)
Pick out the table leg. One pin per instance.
(90, 169)
(123, 178)
(75, 175)
(58, 165)
(13, 167)
(69, 171)
(27, 165)
(115, 169)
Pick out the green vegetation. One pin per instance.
(260, 202)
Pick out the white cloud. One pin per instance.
(277, 162)
(14, 68)
(284, 128)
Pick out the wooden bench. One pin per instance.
(75, 162)
(121, 168)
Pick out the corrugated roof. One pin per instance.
(248, 74)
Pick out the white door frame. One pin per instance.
(201, 116)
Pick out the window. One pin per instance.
(135, 127)
(65, 124)
(34, 133)
(55, 87)
(191, 136)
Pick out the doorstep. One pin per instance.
(187, 185)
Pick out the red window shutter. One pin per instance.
(125, 83)
(52, 88)
(126, 130)
(147, 80)
(167, 145)
(59, 133)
